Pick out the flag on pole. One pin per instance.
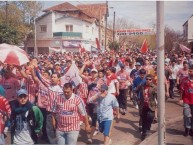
(98, 44)
(184, 48)
(72, 75)
(81, 48)
(144, 47)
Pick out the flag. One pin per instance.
(184, 48)
(144, 47)
(98, 44)
(72, 75)
(51, 50)
(81, 49)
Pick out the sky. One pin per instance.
(143, 13)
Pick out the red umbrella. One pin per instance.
(11, 54)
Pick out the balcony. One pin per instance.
(68, 34)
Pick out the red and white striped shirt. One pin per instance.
(68, 111)
(32, 88)
(83, 91)
(4, 110)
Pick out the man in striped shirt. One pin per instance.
(68, 107)
(5, 112)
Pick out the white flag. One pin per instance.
(72, 75)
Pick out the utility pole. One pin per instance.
(106, 24)
(6, 13)
(114, 27)
(35, 45)
(160, 70)
(100, 26)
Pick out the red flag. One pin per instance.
(184, 48)
(81, 48)
(98, 44)
(144, 47)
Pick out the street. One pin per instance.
(126, 131)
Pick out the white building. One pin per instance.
(188, 32)
(67, 27)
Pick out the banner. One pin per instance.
(72, 75)
(51, 50)
(136, 32)
(71, 43)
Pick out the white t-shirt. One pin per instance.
(112, 88)
(174, 72)
(22, 132)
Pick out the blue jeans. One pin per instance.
(67, 138)
(2, 139)
(187, 116)
(51, 132)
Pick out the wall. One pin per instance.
(190, 29)
(46, 20)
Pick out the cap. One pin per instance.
(122, 65)
(137, 63)
(104, 87)
(94, 70)
(154, 63)
(57, 63)
(22, 91)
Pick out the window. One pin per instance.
(69, 28)
(87, 28)
(92, 30)
(43, 28)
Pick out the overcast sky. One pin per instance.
(143, 13)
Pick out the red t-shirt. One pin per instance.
(187, 90)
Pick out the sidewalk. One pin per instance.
(126, 131)
(174, 128)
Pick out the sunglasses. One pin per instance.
(23, 96)
(148, 79)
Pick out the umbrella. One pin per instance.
(11, 54)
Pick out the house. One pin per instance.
(67, 27)
(188, 32)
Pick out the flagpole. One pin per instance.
(160, 70)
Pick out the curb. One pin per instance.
(152, 138)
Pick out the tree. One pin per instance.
(171, 39)
(9, 34)
(18, 18)
(114, 46)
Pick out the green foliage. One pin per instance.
(9, 35)
(114, 46)
(15, 23)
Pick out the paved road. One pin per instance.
(126, 131)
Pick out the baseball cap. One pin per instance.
(154, 63)
(137, 63)
(122, 65)
(104, 87)
(57, 63)
(22, 91)
(94, 70)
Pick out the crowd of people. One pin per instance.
(35, 104)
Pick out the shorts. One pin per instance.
(105, 127)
